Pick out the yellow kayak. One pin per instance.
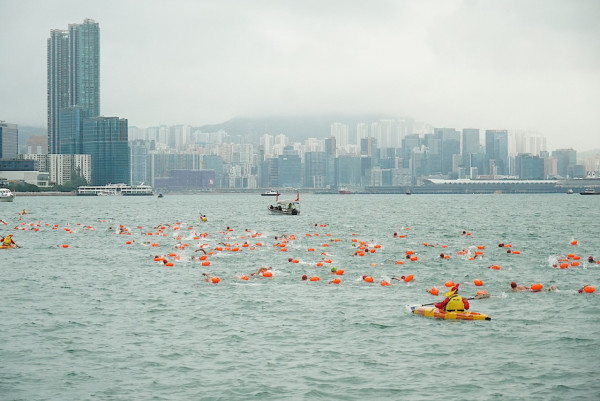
(432, 311)
(7, 246)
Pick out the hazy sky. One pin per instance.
(530, 65)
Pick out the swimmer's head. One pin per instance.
(304, 277)
(513, 284)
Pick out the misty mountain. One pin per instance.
(298, 128)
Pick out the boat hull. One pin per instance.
(283, 211)
(434, 312)
(7, 199)
(8, 247)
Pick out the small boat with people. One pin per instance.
(6, 195)
(285, 207)
(345, 191)
(589, 191)
(270, 192)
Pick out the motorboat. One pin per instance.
(270, 192)
(291, 208)
(6, 195)
(286, 207)
(589, 191)
(345, 191)
(569, 191)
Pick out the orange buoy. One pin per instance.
(495, 267)
(267, 274)
(128, 242)
(564, 265)
(576, 257)
(536, 287)
(215, 280)
(478, 282)
(172, 254)
(339, 272)
(589, 289)
(434, 291)
(414, 258)
(574, 242)
(319, 264)
(206, 263)
(203, 257)
(336, 280)
(575, 263)
(311, 249)
(384, 283)
(408, 278)
(244, 277)
(481, 292)
(480, 247)
(169, 264)
(516, 252)
(65, 246)
(449, 284)
(295, 261)
(314, 278)
(368, 279)
(399, 262)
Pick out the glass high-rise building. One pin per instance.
(73, 68)
(9, 139)
(105, 138)
(496, 150)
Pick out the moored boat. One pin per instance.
(115, 189)
(6, 195)
(345, 191)
(270, 192)
(589, 191)
(432, 311)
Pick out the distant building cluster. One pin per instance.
(406, 159)
(385, 153)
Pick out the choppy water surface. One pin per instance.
(101, 320)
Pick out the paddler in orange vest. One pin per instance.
(453, 302)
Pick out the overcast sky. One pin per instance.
(530, 65)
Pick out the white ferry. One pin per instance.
(6, 195)
(115, 189)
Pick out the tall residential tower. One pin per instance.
(73, 65)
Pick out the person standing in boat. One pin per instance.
(453, 301)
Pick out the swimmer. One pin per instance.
(304, 277)
(261, 270)
(552, 288)
(590, 259)
(516, 287)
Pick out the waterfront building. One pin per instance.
(9, 140)
(315, 169)
(105, 138)
(565, 160)
(529, 167)
(496, 150)
(470, 144)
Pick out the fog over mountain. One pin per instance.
(528, 65)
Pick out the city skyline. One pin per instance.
(510, 66)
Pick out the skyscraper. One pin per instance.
(73, 68)
(496, 150)
(9, 139)
(105, 138)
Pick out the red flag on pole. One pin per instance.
(276, 196)
(297, 196)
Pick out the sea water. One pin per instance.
(87, 316)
